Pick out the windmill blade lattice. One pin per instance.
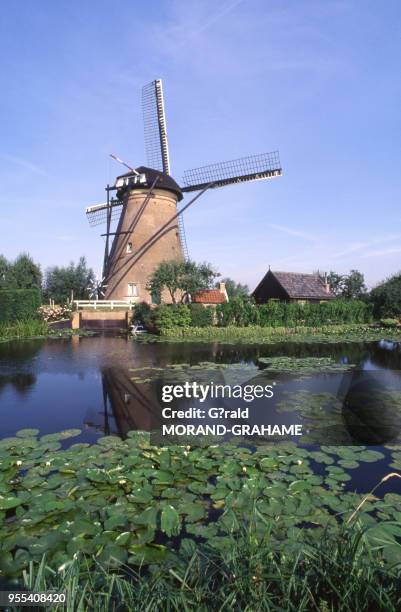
(97, 215)
(154, 120)
(252, 168)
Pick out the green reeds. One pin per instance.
(29, 328)
(339, 573)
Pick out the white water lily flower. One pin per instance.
(18, 463)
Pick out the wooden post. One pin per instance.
(76, 320)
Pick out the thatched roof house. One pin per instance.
(292, 287)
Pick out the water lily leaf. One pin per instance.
(140, 495)
(163, 477)
(268, 462)
(61, 435)
(148, 553)
(384, 534)
(27, 433)
(148, 517)
(194, 512)
(299, 485)
(6, 503)
(170, 521)
(370, 456)
(349, 464)
(110, 441)
(123, 538)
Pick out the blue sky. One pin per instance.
(318, 80)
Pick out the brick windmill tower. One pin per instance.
(143, 214)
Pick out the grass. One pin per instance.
(36, 328)
(31, 328)
(325, 333)
(338, 573)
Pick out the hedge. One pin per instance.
(19, 304)
(201, 316)
(242, 313)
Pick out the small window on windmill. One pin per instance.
(129, 247)
(132, 290)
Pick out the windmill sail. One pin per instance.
(156, 144)
(253, 168)
(97, 214)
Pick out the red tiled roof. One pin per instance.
(209, 296)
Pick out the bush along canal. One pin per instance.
(95, 502)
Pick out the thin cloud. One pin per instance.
(23, 163)
(383, 252)
(293, 232)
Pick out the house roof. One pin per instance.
(308, 286)
(209, 296)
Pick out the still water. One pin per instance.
(99, 385)
(96, 384)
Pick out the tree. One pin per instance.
(336, 282)
(386, 297)
(25, 273)
(354, 285)
(61, 282)
(350, 285)
(4, 273)
(180, 277)
(234, 289)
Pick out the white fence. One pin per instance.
(102, 305)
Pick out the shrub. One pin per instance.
(386, 298)
(54, 313)
(142, 313)
(19, 304)
(201, 316)
(244, 312)
(389, 322)
(169, 316)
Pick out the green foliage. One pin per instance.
(180, 278)
(234, 289)
(354, 285)
(340, 572)
(23, 273)
(19, 304)
(30, 328)
(244, 312)
(389, 322)
(142, 313)
(170, 316)
(270, 335)
(5, 267)
(201, 316)
(350, 285)
(61, 282)
(269, 527)
(386, 298)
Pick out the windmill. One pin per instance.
(143, 206)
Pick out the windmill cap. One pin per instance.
(165, 181)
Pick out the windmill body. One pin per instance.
(138, 246)
(144, 205)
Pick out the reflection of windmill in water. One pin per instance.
(126, 405)
(148, 226)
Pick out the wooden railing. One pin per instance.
(102, 305)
